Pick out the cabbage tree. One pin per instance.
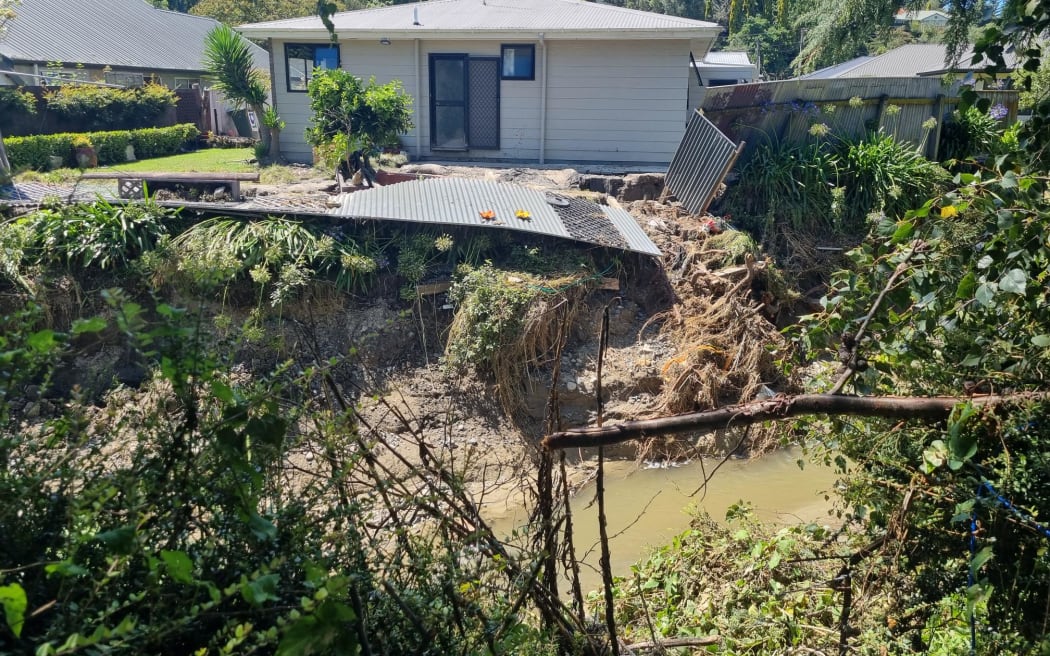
(229, 63)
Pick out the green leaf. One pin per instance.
(261, 527)
(64, 568)
(1042, 341)
(221, 391)
(966, 286)
(980, 558)
(1014, 282)
(42, 340)
(261, 590)
(903, 232)
(119, 539)
(92, 325)
(985, 294)
(13, 599)
(179, 565)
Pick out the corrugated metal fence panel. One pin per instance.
(701, 162)
(787, 110)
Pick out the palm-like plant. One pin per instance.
(229, 63)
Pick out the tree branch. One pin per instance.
(894, 407)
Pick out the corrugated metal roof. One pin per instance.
(548, 16)
(118, 33)
(727, 58)
(838, 70)
(912, 59)
(905, 61)
(460, 201)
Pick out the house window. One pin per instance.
(519, 62)
(302, 58)
(186, 82)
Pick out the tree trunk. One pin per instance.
(264, 132)
(5, 166)
(275, 145)
(936, 408)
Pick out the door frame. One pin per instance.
(433, 102)
(465, 58)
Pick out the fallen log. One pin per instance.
(672, 643)
(933, 408)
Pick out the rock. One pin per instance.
(33, 410)
(425, 169)
(609, 185)
(571, 386)
(641, 186)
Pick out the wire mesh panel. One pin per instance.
(586, 221)
(701, 162)
(484, 103)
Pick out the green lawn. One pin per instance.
(207, 160)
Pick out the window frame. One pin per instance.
(502, 58)
(308, 74)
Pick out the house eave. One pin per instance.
(322, 34)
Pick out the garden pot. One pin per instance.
(86, 157)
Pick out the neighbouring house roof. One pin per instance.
(481, 18)
(118, 33)
(838, 70)
(921, 15)
(727, 58)
(923, 59)
(460, 201)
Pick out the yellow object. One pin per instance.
(948, 211)
(523, 214)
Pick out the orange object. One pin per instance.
(488, 215)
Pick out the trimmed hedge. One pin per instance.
(33, 152)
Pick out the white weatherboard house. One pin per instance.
(515, 80)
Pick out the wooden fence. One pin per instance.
(787, 110)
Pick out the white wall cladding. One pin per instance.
(622, 101)
(607, 101)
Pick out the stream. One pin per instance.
(648, 506)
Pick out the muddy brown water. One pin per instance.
(648, 506)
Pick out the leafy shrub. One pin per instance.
(33, 152)
(160, 142)
(881, 174)
(97, 234)
(15, 104)
(112, 147)
(792, 183)
(179, 520)
(969, 134)
(832, 185)
(107, 108)
(276, 254)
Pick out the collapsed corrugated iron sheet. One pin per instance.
(461, 202)
(701, 162)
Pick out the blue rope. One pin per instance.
(986, 489)
(1025, 518)
(970, 578)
